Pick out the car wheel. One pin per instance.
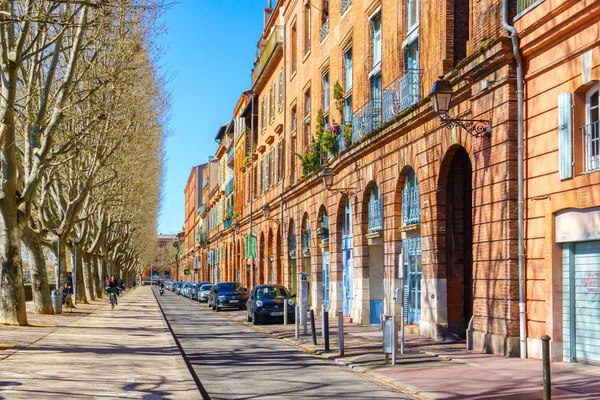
(217, 308)
(213, 307)
(255, 320)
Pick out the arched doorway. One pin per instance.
(292, 260)
(374, 238)
(411, 248)
(261, 260)
(347, 259)
(459, 241)
(306, 254)
(270, 258)
(278, 260)
(323, 234)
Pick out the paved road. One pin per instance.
(234, 361)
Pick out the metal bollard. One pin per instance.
(296, 322)
(285, 313)
(546, 366)
(323, 311)
(304, 312)
(341, 332)
(313, 329)
(326, 329)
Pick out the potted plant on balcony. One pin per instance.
(347, 134)
(311, 159)
(323, 229)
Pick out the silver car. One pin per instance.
(203, 292)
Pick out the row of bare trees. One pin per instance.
(82, 115)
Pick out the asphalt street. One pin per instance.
(234, 361)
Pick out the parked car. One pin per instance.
(203, 292)
(227, 294)
(269, 302)
(195, 289)
(179, 287)
(186, 289)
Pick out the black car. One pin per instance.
(227, 294)
(269, 301)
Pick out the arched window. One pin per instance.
(411, 201)
(306, 233)
(375, 211)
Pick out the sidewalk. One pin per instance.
(445, 370)
(96, 353)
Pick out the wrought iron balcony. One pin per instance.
(292, 243)
(230, 154)
(523, 5)
(375, 216)
(591, 138)
(411, 206)
(366, 119)
(274, 43)
(202, 210)
(344, 5)
(229, 187)
(324, 30)
(401, 94)
(227, 223)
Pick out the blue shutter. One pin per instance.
(565, 136)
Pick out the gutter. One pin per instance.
(522, 304)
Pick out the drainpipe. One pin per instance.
(522, 305)
(281, 224)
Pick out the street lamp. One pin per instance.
(441, 95)
(236, 227)
(328, 176)
(266, 209)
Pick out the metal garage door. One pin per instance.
(581, 302)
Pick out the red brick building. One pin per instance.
(342, 88)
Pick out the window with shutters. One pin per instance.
(376, 39)
(281, 159)
(306, 36)
(294, 120)
(294, 42)
(272, 103)
(266, 175)
(280, 95)
(325, 82)
(591, 131)
(263, 114)
(276, 164)
(348, 69)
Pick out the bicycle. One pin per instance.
(112, 296)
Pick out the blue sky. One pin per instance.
(209, 48)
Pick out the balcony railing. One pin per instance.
(230, 153)
(274, 42)
(366, 119)
(202, 210)
(403, 93)
(344, 5)
(523, 5)
(375, 216)
(227, 223)
(292, 243)
(591, 139)
(411, 206)
(324, 30)
(229, 187)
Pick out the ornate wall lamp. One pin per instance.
(441, 94)
(328, 176)
(267, 213)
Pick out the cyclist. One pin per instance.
(113, 285)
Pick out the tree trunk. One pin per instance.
(96, 279)
(12, 292)
(87, 276)
(76, 266)
(42, 303)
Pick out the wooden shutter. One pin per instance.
(565, 136)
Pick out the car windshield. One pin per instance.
(231, 287)
(205, 287)
(272, 293)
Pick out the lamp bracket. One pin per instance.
(475, 127)
(345, 191)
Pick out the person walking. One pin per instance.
(70, 282)
(133, 283)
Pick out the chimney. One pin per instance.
(268, 13)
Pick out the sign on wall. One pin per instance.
(576, 225)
